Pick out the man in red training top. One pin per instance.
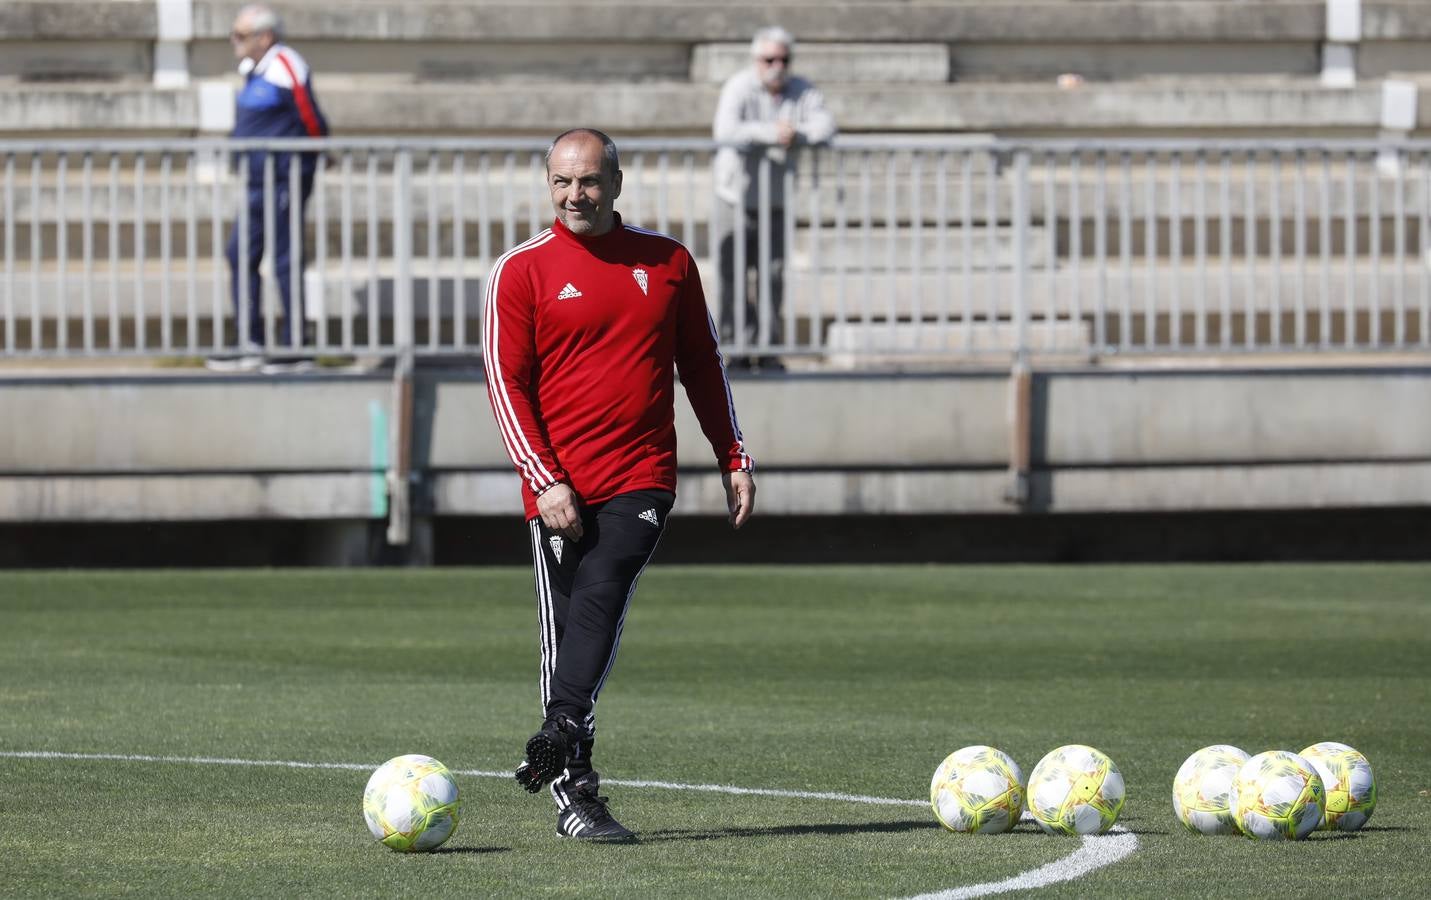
(585, 327)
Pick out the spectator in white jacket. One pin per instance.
(766, 113)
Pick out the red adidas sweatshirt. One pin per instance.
(582, 339)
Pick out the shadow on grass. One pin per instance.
(473, 850)
(833, 828)
(1354, 835)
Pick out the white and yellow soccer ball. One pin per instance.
(1349, 784)
(977, 790)
(1277, 796)
(1075, 790)
(1202, 787)
(411, 804)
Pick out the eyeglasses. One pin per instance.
(238, 37)
(772, 60)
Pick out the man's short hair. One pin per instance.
(262, 18)
(610, 161)
(772, 35)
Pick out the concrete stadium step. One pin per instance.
(499, 20)
(379, 106)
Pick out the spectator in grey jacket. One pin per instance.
(767, 113)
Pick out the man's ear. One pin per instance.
(616, 185)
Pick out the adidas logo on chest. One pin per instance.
(569, 292)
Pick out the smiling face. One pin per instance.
(583, 191)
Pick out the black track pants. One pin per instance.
(583, 592)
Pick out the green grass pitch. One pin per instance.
(839, 679)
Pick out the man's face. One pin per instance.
(772, 64)
(583, 192)
(247, 43)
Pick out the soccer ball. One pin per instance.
(1200, 789)
(1350, 786)
(1075, 790)
(411, 803)
(1277, 796)
(977, 790)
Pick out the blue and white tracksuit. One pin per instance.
(276, 101)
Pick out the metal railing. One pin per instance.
(931, 248)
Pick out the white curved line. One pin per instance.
(1095, 852)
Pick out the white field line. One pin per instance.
(1095, 851)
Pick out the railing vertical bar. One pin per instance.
(1274, 249)
(816, 315)
(1100, 252)
(1175, 249)
(1324, 226)
(113, 252)
(295, 318)
(1423, 257)
(536, 183)
(345, 250)
(789, 276)
(1075, 241)
(508, 180)
(991, 244)
(484, 229)
(1249, 250)
(663, 174)
(688, 197)
(1019, 212)
(403, 306)
(1374, 251)
(87, 248)
(1125, 250)
(268, 302)
(866, 239)
(763, 237)
(36, 246)
(166, 236)
(62, 299)
(1150, 250)
(217, 299)
(1200, 250)
(941, 227)
(1050, 227)
(191, 250)
(1349, 327)
(1300, 238)
(841, 236)
(459, 251)
(318, 306)
(375, 297)
(1399, 254)
(635, 199)
(1225, 249)
(966, 212)
(10, 252)
(140, 241)
(891, 250)
(433, 253)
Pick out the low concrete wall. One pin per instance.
(195, 446)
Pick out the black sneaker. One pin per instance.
(586, 817)
(548, 752)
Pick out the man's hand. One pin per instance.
(784, 133)
(739, 496)
(560, 511)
